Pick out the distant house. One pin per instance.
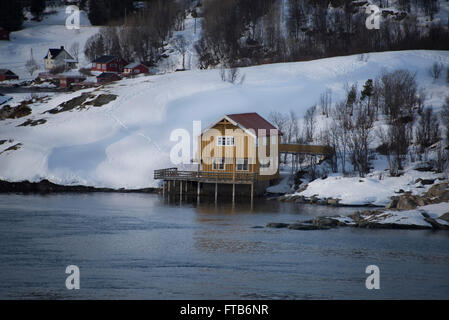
(106, 77)
(135, 68)
(4, 34)
(66, 80)
(6, 74)
(59, 57)
(108, 64)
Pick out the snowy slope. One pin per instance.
(120, 144)
(51, 32)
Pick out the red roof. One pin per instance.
(252, 121)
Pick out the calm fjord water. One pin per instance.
(137, 246)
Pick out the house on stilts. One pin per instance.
(237, 154)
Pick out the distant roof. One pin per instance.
(107, 75)
(252, 121)
(104, 59)
(55, 52)
(134, 64)
(6, 71)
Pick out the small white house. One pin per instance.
(58, 57)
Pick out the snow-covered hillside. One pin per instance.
(51, 32)
(121, 143)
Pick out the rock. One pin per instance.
(326, 222)
(333, 202)
(314, 199)
(427, 181)
(435, 225)
(407, 202)
(277, 225)
(418, 180)
(437, 190)
(393, 203)
(303, 226)
(445, 217)
(422, 201)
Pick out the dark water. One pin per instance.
(137, 246)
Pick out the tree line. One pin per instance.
(240, 32)
(388, 112)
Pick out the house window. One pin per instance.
(218, 164)
(103, 66)
(242, 164)
(225, 141)
(274, 139)
(113, 65)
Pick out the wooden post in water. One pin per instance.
(163, 189)
(233, 193)
(198, 192)
(180, 191)
(252, 194)
(216, 192)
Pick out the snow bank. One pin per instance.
(375, 189)
(121, 143)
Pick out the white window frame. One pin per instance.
(243, 162)
(225, 141)
(218, 164)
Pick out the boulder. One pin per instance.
(427, 181)
(303, 226)
(277, 225)
(407, 202)
(333, 202)
(445, 217)
(393, 203)
(437, 190)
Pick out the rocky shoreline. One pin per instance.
(395, 215)
(47, 187)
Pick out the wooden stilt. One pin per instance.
(233, 193)
(216, 193)
(198, 192)
(163, 190)
(180, 190)
(252, 194)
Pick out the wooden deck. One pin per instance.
(305, 149)
(173, 174)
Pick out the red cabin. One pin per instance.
(135, 68)
(108, 64)
(6, 74)
(4, 34)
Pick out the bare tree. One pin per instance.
(180, 45)
(435, 70)
(310, 122)
(75, 50)
(326, 102)
(31, 65)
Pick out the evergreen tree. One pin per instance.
(37, 7)
(11, 15)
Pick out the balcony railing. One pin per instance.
(209, 176)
